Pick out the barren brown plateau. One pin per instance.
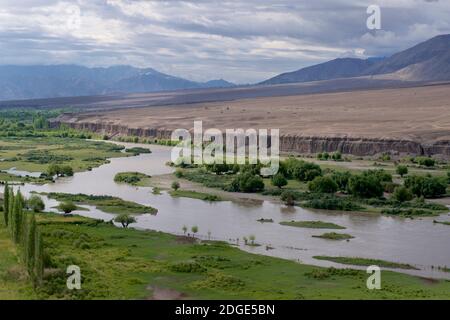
(412, 120)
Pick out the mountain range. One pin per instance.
(427, 61)
(32, 82)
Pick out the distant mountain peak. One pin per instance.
(426, 61)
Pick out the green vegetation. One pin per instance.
(194, 195)
(279, 180)
(122, 263)
(335, 236)
(312, 224)
(366, 262)
(35, 204)
(137, 150)
(106, 204)
(402, 194)
(175, 185)
(124, 219)
(446, 223)
(402, 170)
(133, 178)
(426, 186)
(67, 207)
(247, 182)
(324, 184)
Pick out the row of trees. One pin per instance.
(24, 233)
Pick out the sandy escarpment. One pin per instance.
(358, 146)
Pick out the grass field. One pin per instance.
(365, 262)
(129, 264)
(194, 195)
(312, 224)
(33, 154)
(106, 204)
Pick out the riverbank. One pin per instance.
(119, 263)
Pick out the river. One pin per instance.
(418, 241)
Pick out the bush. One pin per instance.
(323, 185)
(402, 170)
(425, 161)
(279, 180)
(288, 197)
(365, 186)
(331, 202)
(67, 207)
(426, 186)
(380, 175)
(247, 182)
(124, 219)
(300, 170)
(36, 204)
(341, 179)
(402, 194)
(175, 185)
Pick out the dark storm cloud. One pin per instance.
(242, 41)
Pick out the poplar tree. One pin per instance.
(6, 204)
(17, 218)
(38, 259)
(31, 246)
(10, 210)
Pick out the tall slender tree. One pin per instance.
(38, 259)
(6, 203)
(17, 218)
(31, 246)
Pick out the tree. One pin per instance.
(67, 207)
(31, 245)
(337, 156)
(17, 218)
(38, 259)
(184, 229)
(323, 185)
(36, 204)
(252, 239)
(53, 170)
(175, 185)
(288, 198)
(6, 197)
(194, 230)
(125, 219)
(426, 186)
(365, 186)
(341, 179)
(425, 161)
(402, 194)
(279, 180)
(67, 171)
(247, 182)
(402, 170)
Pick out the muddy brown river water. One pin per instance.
(419, 242)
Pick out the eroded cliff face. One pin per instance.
(291, 143)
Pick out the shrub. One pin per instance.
(402, 194)
(426, 186)
(288, 197)
(365, 186)
(402, 170)
(341, 179)
(247, 182)
(323, 185)
(300, 170)
(67, 207)
(124, 219)
(175, 185)
(425, 161)
(35, 203)
(279, 180)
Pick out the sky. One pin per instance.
(243, 41)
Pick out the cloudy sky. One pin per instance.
(242, 41)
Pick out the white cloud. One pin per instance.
(242, 41)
